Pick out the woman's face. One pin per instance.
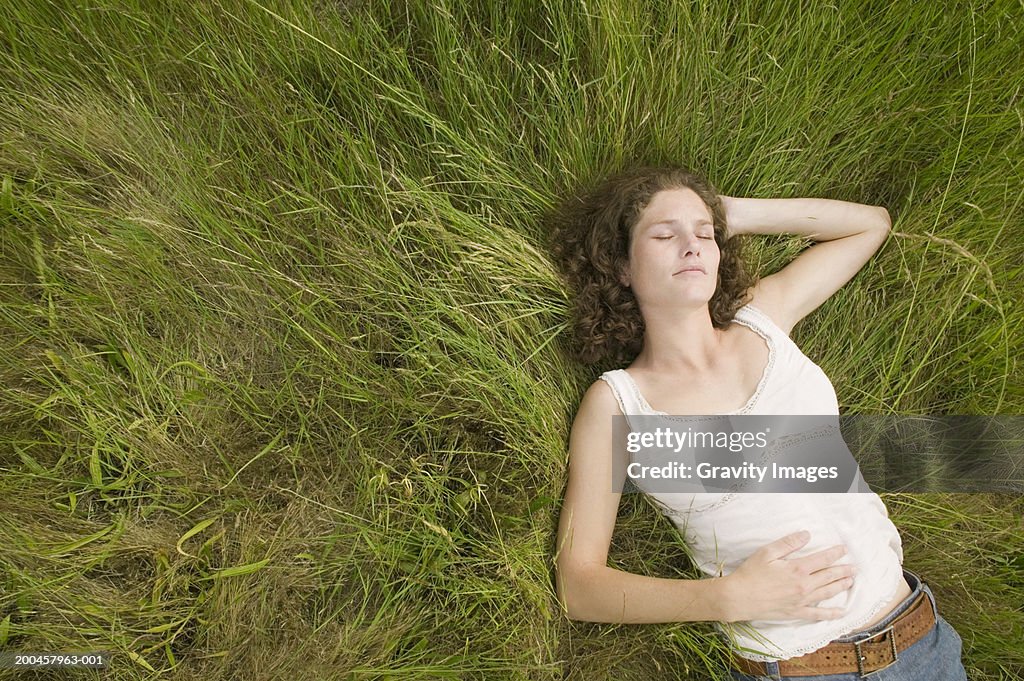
(673, 255)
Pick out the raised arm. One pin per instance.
(766, 586)
(846, 235)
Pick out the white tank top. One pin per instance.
(723, 530)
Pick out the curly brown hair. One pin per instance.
(590, 241)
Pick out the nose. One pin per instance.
(690, 246)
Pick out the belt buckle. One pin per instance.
(861, 658)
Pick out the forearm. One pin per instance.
(609, 595)
(818, 219)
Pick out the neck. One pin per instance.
(679, 341)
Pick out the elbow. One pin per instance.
(886, 219)
(565, 592)
(572, 592)
(567, 589)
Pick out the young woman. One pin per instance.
(802, 585)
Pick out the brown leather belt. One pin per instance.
(864, 657)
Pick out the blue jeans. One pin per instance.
(936, 657)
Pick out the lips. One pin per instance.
(691, 268)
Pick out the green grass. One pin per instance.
(285, 384)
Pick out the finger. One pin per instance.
(833, 573)
(831, 589)
(786, 545)
(822, 559)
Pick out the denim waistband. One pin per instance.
(917, 585)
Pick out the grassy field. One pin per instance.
(285, 380)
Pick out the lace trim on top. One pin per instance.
(772, 352)
(639, 399)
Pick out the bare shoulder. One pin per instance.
(598, 403)
(594, 442)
